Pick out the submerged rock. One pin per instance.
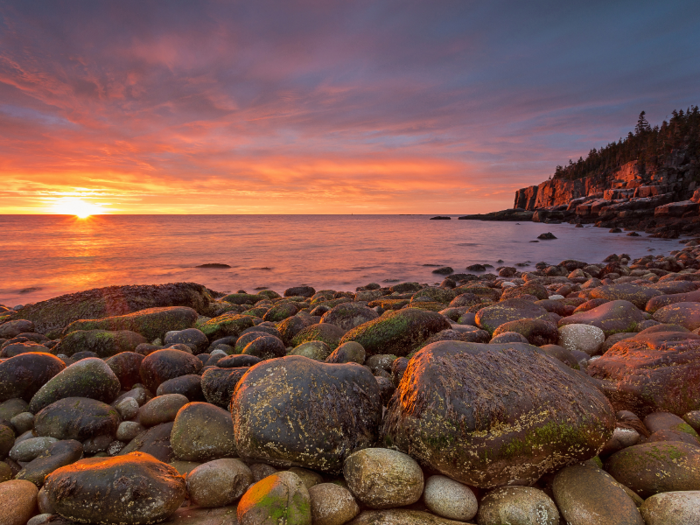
(489, 415)
(295, 411)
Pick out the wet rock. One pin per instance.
(265, 347)
(537, 332)
(203, 432)
(262, 470)
(91, 378)
(517, 506)
(281, 311)
(291, 327)
(381, 478)
(329, 410)
(590, 496)
(635, 294)
(611, 317)
(349, 315)
(191, 337)
(77, 418)
(522, 415)
(152, 323)
(350, 352)
(189, 385)
(228, 324)
(127, 367)
(59, 454)
(531, 288)
(22, 376)
(449, 498)
(651, 372)
(218, 483)
(155, 441)
(29, 449)
(17, 501)
(12, 407)
(104, 343)
(128, 430)
(582, 337)
(669, 427)
(662, 301)
(11, 329)
(166, 364)
(491, 317)
(133, 489)
(218, 384)
(332, 504)
(161, 409)
(508, 337)
(300, 291)
(317, 350)
(128, 408)
(328, 333)
(650, 468)
(686, 315)
(398, 332)
(16, 349)
(279, 498)
(672, 508)
(23, 422)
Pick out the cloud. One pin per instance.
(318, 107)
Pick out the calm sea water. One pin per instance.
(45, 256)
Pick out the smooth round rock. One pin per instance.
(154, 441)
(91, 378)
(349, 352)
(126, 366)
(161, 409)
(191, 337)
(265, 347)
(128, 408)
(590, 496)
(59, 454)
(7, 440)
(132, 490)
(582, 337)
(381, 478)
(29, 449)
(128, 430)
(279, 498)
(22, 376)
(218, 483)
(517, 506)
(166, 364)
(449, 498)
(77, 418)
(202, 432)
(23, 422)
(17, 501)
(672, 508)
(189, 385)
(317, 350)
(332, 504)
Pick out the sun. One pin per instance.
(76, 206)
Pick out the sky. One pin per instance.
(438, 107)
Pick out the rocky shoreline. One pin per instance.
(567, 394)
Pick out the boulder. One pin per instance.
(581, 337)
(639, 296)
(281, 311)
(218, 384)
(672, 508)
(350, 352)
(10, 329)
(218, 483)
(189, 385)
(588, 495)
(77, 418)
(155, 441)
(228, 324)
(161, 365)
(22, 376)
(276, 499)
(400, 517)
(517, 506)
(300, 291)
(91, 378)
(203, 432)
(398, 332)
(127, 367)
(488, 415)
(15, 349)
(295, 411)
(332, 504)
(265, 347)
(18, 501)
(349, 315)
(161, 409)
(686, 315)
(328, 333)
(537, 332)
(191, 337)
(103, 342)
(652, 372)
(491, 317)
(611, 317)
(382, 479)
(449, 498)
(317, 350)
(134, 489)
(59, 454)
(291, 327)
(152, 323)
(660, 301)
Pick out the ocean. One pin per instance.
(42, 256)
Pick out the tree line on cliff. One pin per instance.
(652, 147)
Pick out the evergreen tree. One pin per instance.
(642, 124)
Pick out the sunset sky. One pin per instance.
(323, 106)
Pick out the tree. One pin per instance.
(642, 124)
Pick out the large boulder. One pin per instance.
(23, 375)
(398, 332)
(658, 371)
(166, 364)
(612, 317)
(132, 490)
(202, 432)
(90, 377)
(639, 296)
(326, 332)
(151, 323)
(103, 342)
(52, 316)
(491, 317)
(228, 324)
(296, 411)
(494, 414)
(77, 418)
